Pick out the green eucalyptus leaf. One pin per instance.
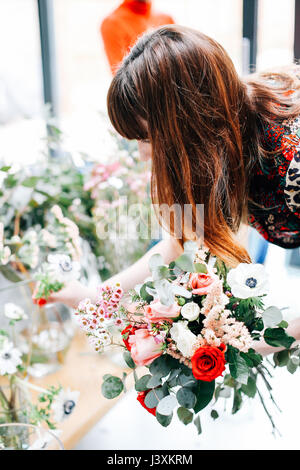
(155, 261)
(162, 366)
(144, 294)
(190, 247)
(249, 389)
(291, 366)
(200, 268)
(214, 414)
(197, 423)
(112, 387)
(283, 324)
(186, 397)
(164, 420)
(155, 381)
(185, 262)
(272, 316)
(281, 358)
(185, 415)
(160, 272)
(141, 385)
(154, 396)
(128, 359)
(166, 405)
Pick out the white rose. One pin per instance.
(248, 280)
(185, 340)
(190, 311)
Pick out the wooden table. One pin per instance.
(83, 371)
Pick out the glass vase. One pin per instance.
(18, 436)
(14, 402)
(46, 339)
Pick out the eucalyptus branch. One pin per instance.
(267, 413)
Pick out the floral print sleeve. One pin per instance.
(292, 178)
(274, 209)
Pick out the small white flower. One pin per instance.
(190, 311)
(63, 268)
(248, 280)
(185, 340)
(83, 305)
(10, 358)
(5, 255)
(30, 237)
(14, 312)
(64, 404)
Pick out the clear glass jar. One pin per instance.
(18, 436)
(46, 339)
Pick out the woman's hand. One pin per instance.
(70, 295)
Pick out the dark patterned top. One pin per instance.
(275, 186)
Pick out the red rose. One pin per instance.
(208, 362)
(129, 330)
(141, 398)
(41, 302)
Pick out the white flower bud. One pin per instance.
(190, 311)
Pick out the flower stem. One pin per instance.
(24, 384)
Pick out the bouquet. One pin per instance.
(194, 325)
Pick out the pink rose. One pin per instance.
(202, 283)
(156, 311)
(144, 349)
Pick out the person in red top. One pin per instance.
(124, 25)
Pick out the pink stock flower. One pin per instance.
(156, 311)
(144, 348)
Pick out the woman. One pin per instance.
(214, 139)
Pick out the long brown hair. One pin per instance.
(204, 124)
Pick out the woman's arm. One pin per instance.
(293, 330)
(74, 292)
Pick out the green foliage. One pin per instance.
(214, 414)
(200, 268)
(141, 385)
(249, 389)
(112, 387)
(186, 397)
(278, 337)
(237, 365)
(164, 420)
(128, 359)
(185, 263)
(185, 415)
(197, 423)
(162, 365)
(237, 401)
(281, 358)
(204, 394)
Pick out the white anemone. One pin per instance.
(248, 280)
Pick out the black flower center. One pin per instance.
(68, 407)
(66, 266)
(251, 282)
(6, 356)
